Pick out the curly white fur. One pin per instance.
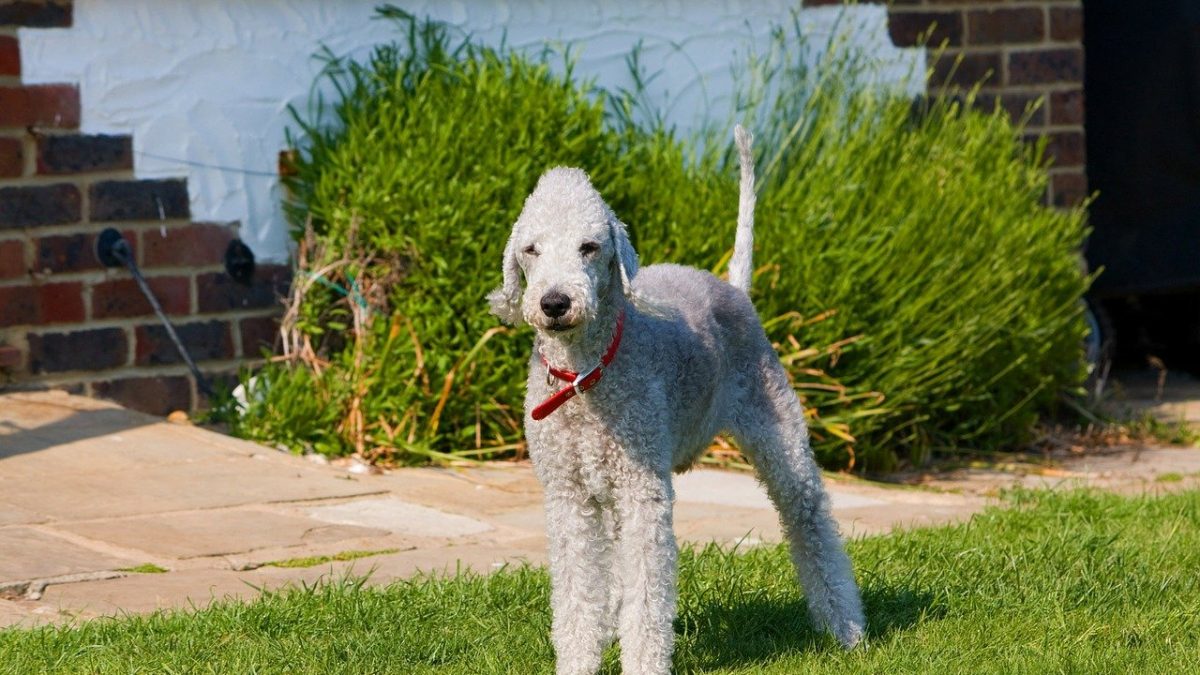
(697, 364)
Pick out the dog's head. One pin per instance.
(572, 252)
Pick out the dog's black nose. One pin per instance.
(555, 304)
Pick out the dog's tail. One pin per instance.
(741, 264)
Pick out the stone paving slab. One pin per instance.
(87, 486)
(16, 614)
(485, 490)
(119, 448)
(60, 407)
(530, 519)
(736, 489)
(12, 514)
(399, 517)
(133, 464)
(214, 533)
(142, 593)
(701, 524)
(92, 492)
(27, 553)
(1120, 469)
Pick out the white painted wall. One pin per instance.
(204, 85)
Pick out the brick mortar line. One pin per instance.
(91, 377)
(1024, 87)
(81, 179)
(997, 4)
(99, 276)
(1056, 129)
(89, 176)
(134, 322)
(974, 7)
(34, 180)
(59, 131)
(193, 291)
(147, 225)
(88, 295)
(83, 182)
(29, 148)
(235, 330)
(968, 5)
(1035, 89)
(1035, 46)
(85, 202)
(139, 251)
(88, 227)
(38, 128)
(143, 223)
(1008, 47)
(1042, 88)
(89, 179)
(130, 347)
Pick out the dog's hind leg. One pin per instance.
(769, 426)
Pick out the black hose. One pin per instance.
(118, 250)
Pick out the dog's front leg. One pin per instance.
(647, 559)
(581, 548)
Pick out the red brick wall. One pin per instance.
(1022, 51)
(67, 321)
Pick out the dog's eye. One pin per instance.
(589, 248)
(530, 250)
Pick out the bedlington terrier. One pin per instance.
(633, 373)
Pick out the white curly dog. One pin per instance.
(668, 356)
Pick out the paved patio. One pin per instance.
(89, 491)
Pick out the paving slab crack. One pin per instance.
(33, 589)
(99, 546)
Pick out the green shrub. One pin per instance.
(919, 292)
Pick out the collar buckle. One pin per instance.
(585, 381)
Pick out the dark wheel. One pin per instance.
(1099, 345)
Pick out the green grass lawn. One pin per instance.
(1069, 582)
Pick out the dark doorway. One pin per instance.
(1143, 144)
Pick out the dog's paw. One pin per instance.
(850, 633)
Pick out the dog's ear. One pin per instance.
(506, 299)
(626, 257)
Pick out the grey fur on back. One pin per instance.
(694, 362)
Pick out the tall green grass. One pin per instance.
(921, 295)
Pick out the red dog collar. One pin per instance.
(580, 382)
